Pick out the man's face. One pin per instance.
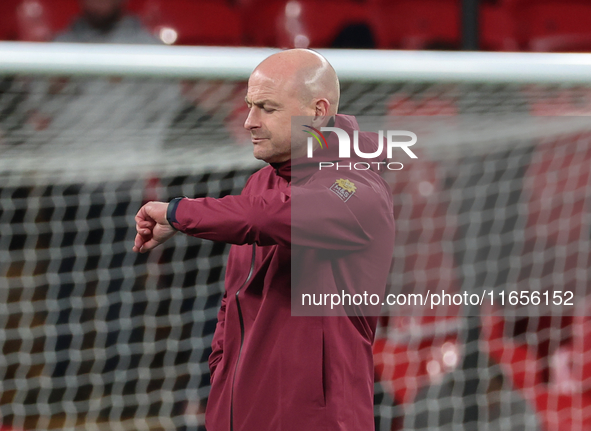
(100, 12)
(272, 103)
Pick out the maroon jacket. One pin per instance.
(271, 371)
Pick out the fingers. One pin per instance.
(148, 224)
(145, 229)
(143, 216)
(143, 244)
(149, 220)
(137, 244)
(143, 235)
(144, 226)
(148, 246)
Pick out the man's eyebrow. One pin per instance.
(262, 102)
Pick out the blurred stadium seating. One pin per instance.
(41, 20)
(418, 24)
(551, 26)
(8, 29)
(186, 22)
(497, 29)
(312, 23)
(505, 25)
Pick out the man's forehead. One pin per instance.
(265, 85)
(266, 80)
(260, 93)
(263, 88)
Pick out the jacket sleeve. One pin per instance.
(309, 216)
(217, 344)
(263, 219)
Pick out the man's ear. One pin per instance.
(321, 110)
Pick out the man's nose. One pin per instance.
(253, 119)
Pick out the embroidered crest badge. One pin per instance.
(343, 189)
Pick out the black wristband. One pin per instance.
(171, 211)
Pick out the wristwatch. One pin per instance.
(171, 211)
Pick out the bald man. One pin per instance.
(294, 227)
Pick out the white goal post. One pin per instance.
(238, 63)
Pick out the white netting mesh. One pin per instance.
(94, 336)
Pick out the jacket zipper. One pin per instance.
(241, 334)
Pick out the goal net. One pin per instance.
(96, 337)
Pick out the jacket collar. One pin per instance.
(306, 167)
(283, 169)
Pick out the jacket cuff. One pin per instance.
(171, 212)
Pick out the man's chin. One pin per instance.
(264, 158)
(269, 158)
(260, 155)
